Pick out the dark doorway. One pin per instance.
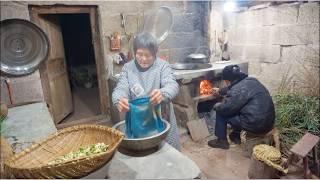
(72, 80)
(81, 65)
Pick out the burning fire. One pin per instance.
(205, 87)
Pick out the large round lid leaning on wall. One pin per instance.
(159, 23)
(23, 46)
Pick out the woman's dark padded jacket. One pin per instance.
(251, 102)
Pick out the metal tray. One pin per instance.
(23, 46)
(190, 66)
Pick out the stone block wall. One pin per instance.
(215, 28)
(275, 39)
(189, 31)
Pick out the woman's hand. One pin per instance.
(123, 105)
(156, 97)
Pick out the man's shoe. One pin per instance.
(218, 143)
(235, 138)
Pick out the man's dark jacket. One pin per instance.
(248, 99)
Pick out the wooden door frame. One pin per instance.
(36, 10)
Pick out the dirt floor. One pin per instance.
(86, 103)
(216, 163)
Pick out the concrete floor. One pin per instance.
(86, 103)
(213, 163)
(26, 124)
(216, 163)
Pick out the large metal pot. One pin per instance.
(141, 144)
(202, 55)
(197, 58)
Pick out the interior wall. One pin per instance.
(189, 31)
(275, 39)
(216, 28)
(272, 38)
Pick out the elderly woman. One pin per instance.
(150, 76)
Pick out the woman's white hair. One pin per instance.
(147, 41)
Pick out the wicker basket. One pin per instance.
(6, 152)
(33, 162)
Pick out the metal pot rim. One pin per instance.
(145, 138)
(190, 66)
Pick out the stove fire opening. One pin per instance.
(206, 87)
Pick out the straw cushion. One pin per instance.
(33, 162)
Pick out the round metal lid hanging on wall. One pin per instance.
(23, 46)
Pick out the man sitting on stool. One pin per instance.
(247, 105)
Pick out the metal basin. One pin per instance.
(141, 144)
(190, 66)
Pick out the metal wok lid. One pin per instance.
(23, 46)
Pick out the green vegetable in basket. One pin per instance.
(81, 153)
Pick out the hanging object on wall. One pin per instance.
(115, 41)
(223, 43)
(23, 46)
(159, 23)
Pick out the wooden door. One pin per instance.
(54, 70)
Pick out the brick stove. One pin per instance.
(190, 102)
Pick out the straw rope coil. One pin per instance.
(245, 136)
(269, 155)
(33, 162)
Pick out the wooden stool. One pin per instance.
(266, 163)
(249, 140)
(259, 170)
(302, 148)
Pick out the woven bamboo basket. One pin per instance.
(33, 162)
(5, 153)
